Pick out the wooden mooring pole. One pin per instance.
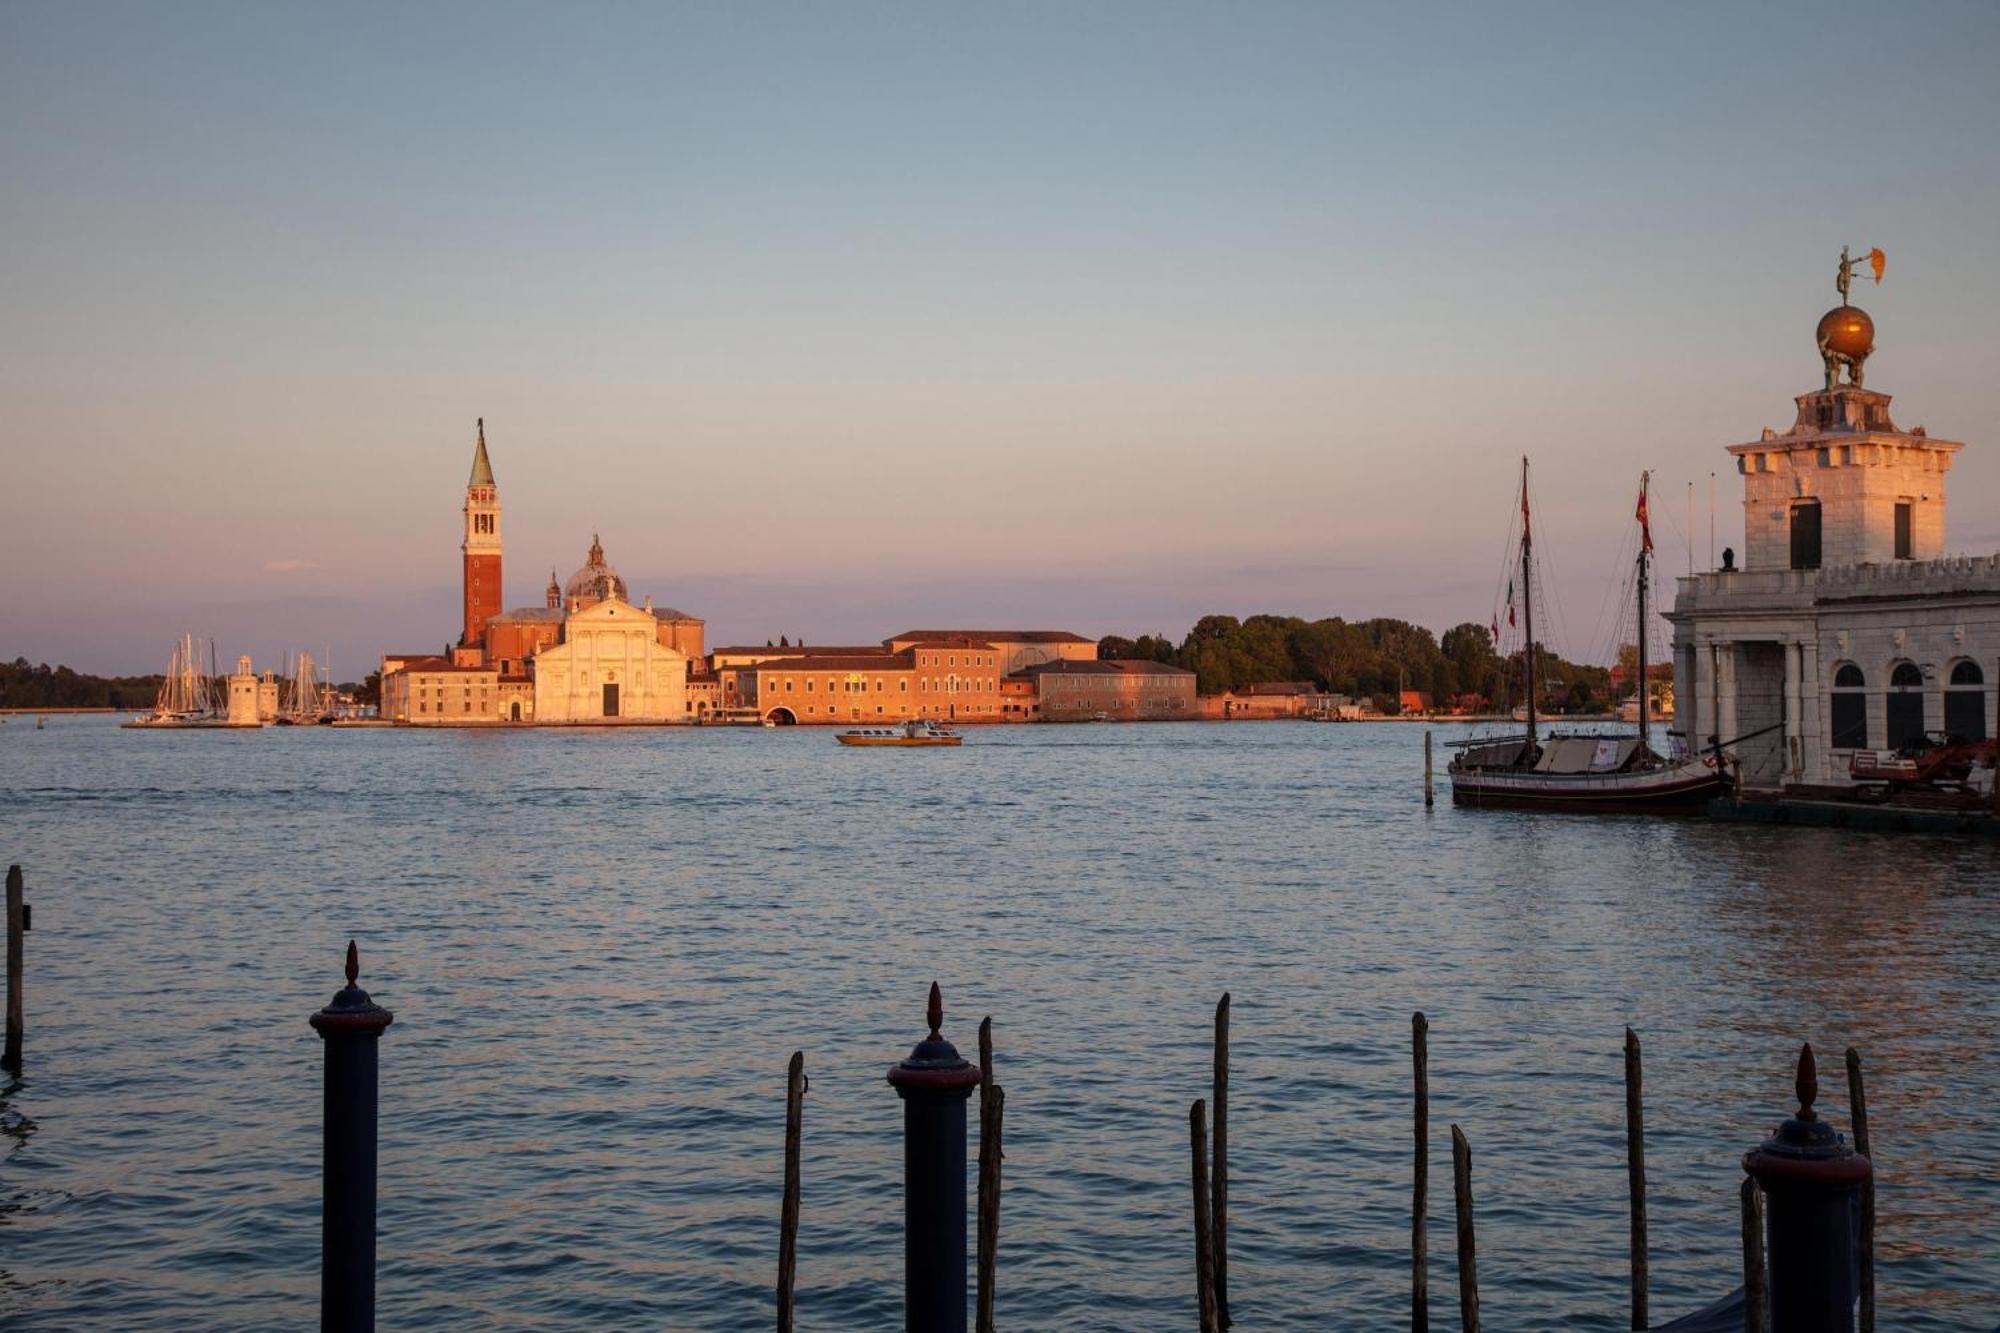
(1219, 1177)
(17, 926)
(1857, 1096)
(1204, 1254)
(1468, 1259)
(1635, 1176)
(1427, 771)
(1756, 1300)
(1420, 1278)
(992, 1103)
(788, 1217)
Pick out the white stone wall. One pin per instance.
(1756, 646)
(439, 698)
(1857, 484)
(242, 700)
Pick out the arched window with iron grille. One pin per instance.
(1905, 705)
(1850, 708)
(1965, 702)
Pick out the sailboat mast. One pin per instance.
(1528, 597)
(1645, 551)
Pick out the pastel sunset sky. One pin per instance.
(840, 319)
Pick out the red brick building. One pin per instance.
(1123, 690)
(953, 680)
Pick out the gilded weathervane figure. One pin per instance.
(1876, 260)
(1846, 334)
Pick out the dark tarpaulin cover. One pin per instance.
(1725, 1316)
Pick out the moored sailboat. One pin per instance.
(1581, 772)
(187, 691)
(307, 700)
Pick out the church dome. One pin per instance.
(596, 581)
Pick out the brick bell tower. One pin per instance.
(482, 554)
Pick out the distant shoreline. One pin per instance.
(55, 709)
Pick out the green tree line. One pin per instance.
(26, 686)
(1365, 659)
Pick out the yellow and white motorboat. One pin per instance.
(917, 731)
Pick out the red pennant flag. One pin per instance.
(1645, 524)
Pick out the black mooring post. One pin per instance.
(934, 1083)
(1811, 1180)
(17, 926)
(349, 1028)
(1635, 1173)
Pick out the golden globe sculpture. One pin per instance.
(1847, 330)
(1846, 336)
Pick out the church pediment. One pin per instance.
(611, 612)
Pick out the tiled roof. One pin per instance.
(669, 613)
(1281, 687)
(855, 662)
(940, 644)
(1123, 666)
(528, 613)
(432, 665)
(801, 650)
(1003, 635)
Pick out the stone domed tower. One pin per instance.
(481, 547)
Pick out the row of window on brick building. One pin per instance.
(1903, 705)
(925, 685)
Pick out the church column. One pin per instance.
(1793, 753)
(1687, 696)
(1814, 706)
(1725, 692)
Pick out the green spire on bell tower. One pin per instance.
(482, 470)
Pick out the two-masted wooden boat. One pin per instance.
(1612, 773)
(914, 732)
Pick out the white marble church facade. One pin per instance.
(610, 666)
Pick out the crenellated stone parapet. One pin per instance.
(1748, 589)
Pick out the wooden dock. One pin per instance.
(1826, 812)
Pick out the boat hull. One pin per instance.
(1684, 788)
(899, 741)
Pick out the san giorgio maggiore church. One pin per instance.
(587, 655)
(1847, 627)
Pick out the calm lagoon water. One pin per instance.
(602, 947)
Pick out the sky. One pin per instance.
(838, 320)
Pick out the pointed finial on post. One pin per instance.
(353, 963)
(936, 1013)
(1808, 1082)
